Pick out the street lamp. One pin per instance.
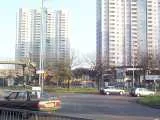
(42, 47)
(133, 81)
(133, 76)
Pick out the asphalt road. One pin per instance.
(99, 107)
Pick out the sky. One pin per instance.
(82, 16)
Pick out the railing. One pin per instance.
(19, 114)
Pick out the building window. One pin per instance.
(112, 11)
(149, 21)
(112, 3)
(134, 8)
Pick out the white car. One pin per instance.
(141, 92)
(113, 90)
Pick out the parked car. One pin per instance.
(29, 100)
(111, 90)
(5, 93)
(141, 92)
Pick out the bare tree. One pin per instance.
(61, 71)
(148, 64)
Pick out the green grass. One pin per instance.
(17, 88)
(158, 93)
(72, 90)
(58, 90)
(150, 100)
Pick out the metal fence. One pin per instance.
(19, 114)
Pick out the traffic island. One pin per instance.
(151, 101)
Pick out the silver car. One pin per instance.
(141, 92)
(113, 90)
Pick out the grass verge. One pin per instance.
(58, 90)
(72, 90)
(152, 101)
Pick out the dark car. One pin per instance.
(30, 100)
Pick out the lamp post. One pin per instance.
(133, 77)
(133, 81)
(42, 47)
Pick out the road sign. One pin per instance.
(36, 88)
(40, 71)
(152, 77)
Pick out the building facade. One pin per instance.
(153, 30)
(128, 32)
(56, 30)
(98, 32)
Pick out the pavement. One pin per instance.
(100, 107)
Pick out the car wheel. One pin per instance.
(151, 94)
(107, 93)
(121, 93)
(26, 115)
(138, 95)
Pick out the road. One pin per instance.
(99, 107)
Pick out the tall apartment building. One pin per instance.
(111, 31)
(128, 31)
(153, 32)
(99, 32)
(56, 35)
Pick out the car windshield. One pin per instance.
(110, 87)
(95, 59)
(45, 95)
(145, 89)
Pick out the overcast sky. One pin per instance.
(83, 22)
